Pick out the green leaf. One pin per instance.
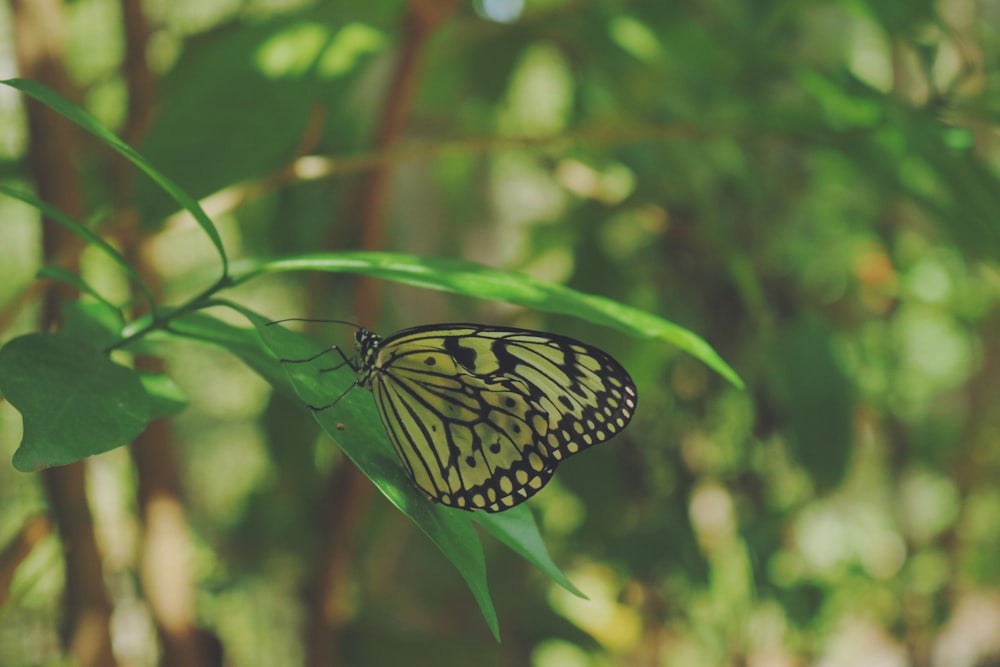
(60, 218)
(242, 342)
(462, 277)
(518, 529)
(357, 428)
(204, 95)
(99, 323)
(53, 272)
(74, 400)
(165, 398)
(70, 111)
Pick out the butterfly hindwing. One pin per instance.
(481, 416)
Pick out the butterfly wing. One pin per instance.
(481, 416)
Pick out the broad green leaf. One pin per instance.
(74, 113)
(98, 323)
(75, 402)
(483, 282)
(205, 91)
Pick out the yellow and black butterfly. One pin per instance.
(481, 416)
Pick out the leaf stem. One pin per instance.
(161, 317)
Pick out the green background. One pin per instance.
(811, 187)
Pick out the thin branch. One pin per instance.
(317, 167)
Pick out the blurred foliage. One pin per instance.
(812, 187)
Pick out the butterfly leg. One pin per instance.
(320, 408)
(346, 361)
(334, 348)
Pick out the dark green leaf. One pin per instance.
(74, 400)
(99, 323)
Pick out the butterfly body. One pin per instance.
(481, 416)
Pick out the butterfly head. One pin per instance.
(366, 343)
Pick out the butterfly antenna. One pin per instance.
(332, 348)
(305, 319)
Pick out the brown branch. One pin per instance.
(53, 143)
(349, 493)
(53, 152)
(166, 569)
(423, 16)
(87, 623)
(140, 84)
(139, 79)
(33, 531)
(314, 167)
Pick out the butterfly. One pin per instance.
(481, 416)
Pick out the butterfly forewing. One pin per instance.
(481, 416)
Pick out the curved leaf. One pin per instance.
(74, 400)
(74, 113)
(60, 218)
(517, 529)
(462, 277)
